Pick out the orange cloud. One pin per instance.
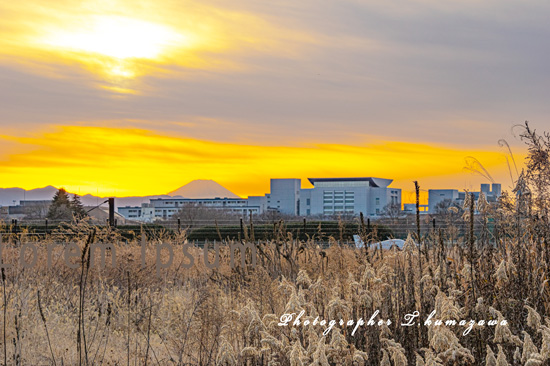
(128, 161)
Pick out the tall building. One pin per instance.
(491, 192)
(336, 196)
(328, 197)
(435, 196)
(284, 196)
(333, 196)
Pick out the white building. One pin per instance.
(333, 196)
(284, 196)
(165, 208)
(435, 196)
(328, 197)
(130, 212)
(258, 201)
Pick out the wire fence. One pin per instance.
(202, 230)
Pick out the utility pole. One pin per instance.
(112, 212)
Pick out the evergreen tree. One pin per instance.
(78, 208)
(60, 208)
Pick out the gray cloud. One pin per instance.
(459, 72)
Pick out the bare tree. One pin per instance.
(37, 211)
(443, 209)
(392, 211)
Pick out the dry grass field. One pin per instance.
(133, 315)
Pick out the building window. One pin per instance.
(377, 200)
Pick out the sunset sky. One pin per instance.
(140, 97)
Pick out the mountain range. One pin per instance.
(193, 189)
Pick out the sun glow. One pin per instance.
(115, 45)
(118, 37)
(134, 161)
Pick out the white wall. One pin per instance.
(438, 195)
(284, 195)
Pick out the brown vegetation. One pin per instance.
(128, 315)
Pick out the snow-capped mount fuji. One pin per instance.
(203, 188)
(195, 189)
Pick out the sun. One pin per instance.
(118, 39)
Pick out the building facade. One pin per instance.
(165, 208)
(130, 212)
(332, 196)
(328, 197)
(435, 196)
(348, 196)
(284, 196)
(37, 209)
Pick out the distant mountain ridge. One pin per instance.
(8, 195)
(193, 189)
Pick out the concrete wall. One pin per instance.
(338, 199)
(438, 195)
(305, 202)
(284, 195)
(258, 201)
